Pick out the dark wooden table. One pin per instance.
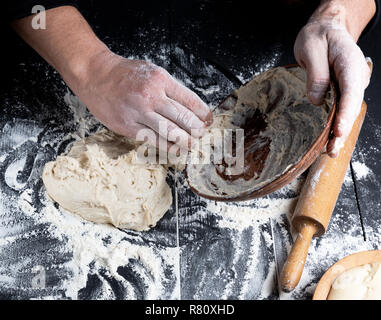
(213, 47)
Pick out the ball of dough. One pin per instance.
(359, 283)
(100, 180)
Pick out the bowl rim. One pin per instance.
(295, 170)
(351, 261)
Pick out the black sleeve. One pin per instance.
(16, 9)
(374, 20)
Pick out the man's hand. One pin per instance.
(130, 95)
(125, 95)
(325, 44)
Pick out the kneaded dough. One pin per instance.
(100, 180)
(360, 283)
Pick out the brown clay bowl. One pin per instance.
(292, 172)
(354, 260)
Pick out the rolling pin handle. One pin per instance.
(293, 268)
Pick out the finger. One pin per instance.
(316, 62)
(176, 91)
(181, 116)
(148, 136)
(334, 146)
(146, 152)
(369, 62)
(349, 108)
(352, 73)
(352, 83)
(167, 129)
(154, 139)
(169, 153)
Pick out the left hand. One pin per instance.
(322, 45)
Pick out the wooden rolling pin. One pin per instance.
(316, 203)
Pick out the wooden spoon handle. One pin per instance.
(293, 268)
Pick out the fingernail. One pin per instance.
(369, 61)
(209, 119)
(316, 97)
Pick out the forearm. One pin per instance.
(67, 43)
(352, 14)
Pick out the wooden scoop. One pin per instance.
(316, 203)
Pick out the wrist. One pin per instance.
(332, 10)
(81, 67)
(353, 15)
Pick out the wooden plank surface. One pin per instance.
(239, 53)
(366, 159)
(203, 249)
(36, 125)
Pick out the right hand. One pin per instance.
(129, 95)
(323, 45)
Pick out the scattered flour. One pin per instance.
(239, 217)
(264, 65)
(100, 246)
(95, 249)
(361, 170)
(89, 249)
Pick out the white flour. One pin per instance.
(95, 249)
(360, 169)
(87, 242)
(241, 215)
(266, 64)
(99, 250)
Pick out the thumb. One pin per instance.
(318, 77)
(317, 81)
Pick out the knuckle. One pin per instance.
(320, 83)
(152, 78)
(185, 118)
(343, 126)
(157, 74)
(312, 31)
(345, 122)
(318, 86)
(147, 117)
(144, 89)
